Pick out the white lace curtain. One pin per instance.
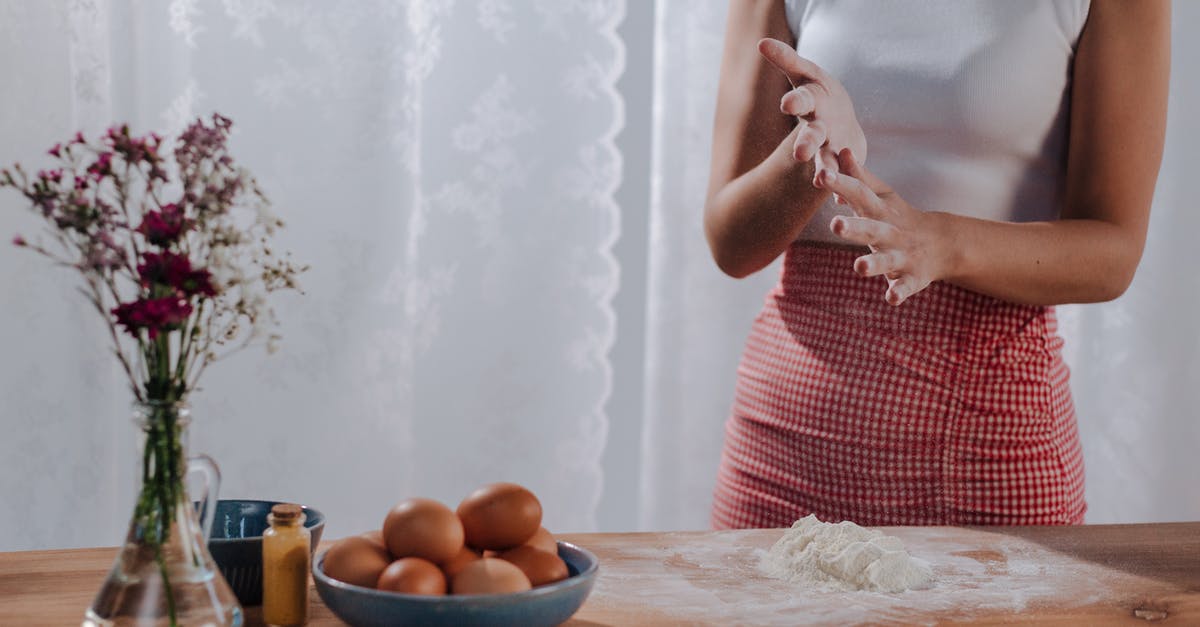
(447, 168)
(1135, 362)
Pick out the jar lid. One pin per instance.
(285, 511)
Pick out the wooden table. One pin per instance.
(1100, 574)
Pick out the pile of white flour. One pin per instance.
(844, 556)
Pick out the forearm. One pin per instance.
(1039, 263)
(756, 216)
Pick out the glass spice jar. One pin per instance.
(286, 558)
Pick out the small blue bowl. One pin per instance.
(236, 543)
(547, 605)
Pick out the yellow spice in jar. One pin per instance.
(285, 567)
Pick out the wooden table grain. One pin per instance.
(1094, 575)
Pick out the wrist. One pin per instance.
(783, 161)
(794, 179)
(949, 253)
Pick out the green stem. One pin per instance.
(162, 569)
(161, 482)
(186, 343)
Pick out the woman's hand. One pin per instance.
(827, 123)
(907, 245)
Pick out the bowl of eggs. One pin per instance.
(488, 562)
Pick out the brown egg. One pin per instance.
(356, 560)
(423, 528)
(489, 576)
(544, 541)
(413, 575)
(539, 566)
(375, 536)
(456, 563)
(500, 516)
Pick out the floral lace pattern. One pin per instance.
(453, 197)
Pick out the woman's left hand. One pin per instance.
(904, 241)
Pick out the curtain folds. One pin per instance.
(446, 167)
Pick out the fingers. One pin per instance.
(784, 57)
(862, 231)
(809, 140)
(849, 165)
(826, 159)
(798, 102)
(902, 288)
(872, 227)
(886, 263)
(861, 198)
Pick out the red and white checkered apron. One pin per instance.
(951, 409)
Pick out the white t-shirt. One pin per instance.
(965, 103)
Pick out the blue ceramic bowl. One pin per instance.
(236, 543)
(551, 604)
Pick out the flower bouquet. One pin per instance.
(174, 248)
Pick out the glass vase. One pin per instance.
(164, 574)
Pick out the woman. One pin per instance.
(906, 370)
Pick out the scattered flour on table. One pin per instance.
(844, 556)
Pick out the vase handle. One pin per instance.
(212, 485)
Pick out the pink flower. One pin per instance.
(174, 270)
(153, 314)
(55, 151)
(116, 132)
(198, 143)
(102, 167)
(134, 149)
(163, 228)
(103, 253)
(19, 241)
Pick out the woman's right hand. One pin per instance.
(826, 120)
